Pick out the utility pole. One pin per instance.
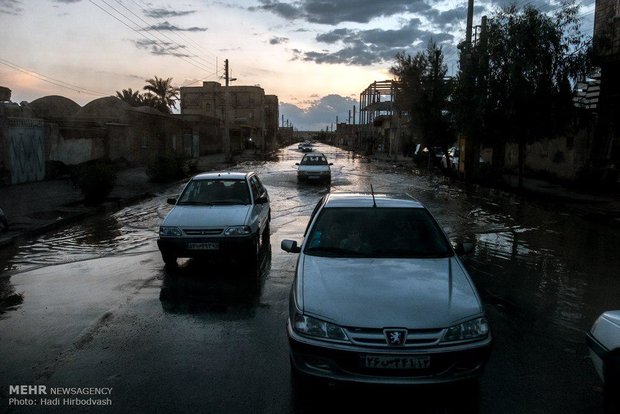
(227, 146)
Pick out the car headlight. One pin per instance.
(307, 325)
(474, 329)
(238, 231)
(166, 231)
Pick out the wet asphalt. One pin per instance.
(92, 305)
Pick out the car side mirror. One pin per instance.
(261, 200)
(290, 246)
(296, 163)
(331, 163)
(463, 248)
(172, 201)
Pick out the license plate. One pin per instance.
(203, 246)
(397, 362)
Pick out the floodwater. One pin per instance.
(551, 265)
(544, 271)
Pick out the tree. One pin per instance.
(129, 96)
(424, 92)
(164, 95)
(523, 77)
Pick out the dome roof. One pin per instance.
(147, 110)
(53, 106)
(109, 107)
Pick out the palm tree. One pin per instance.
(129, 96)
(166, 95)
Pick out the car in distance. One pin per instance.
(306, 147)
(314, 167)
(380, 296)
(603, 341)
(217, 214)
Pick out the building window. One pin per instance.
(145, 141)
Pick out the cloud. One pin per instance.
(320, 114)
(12, 7)
(367, 47)
(338, 11)
(278, 40)
(170, 27)
(163, 13)
(161, 48)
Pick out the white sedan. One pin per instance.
(314, 167)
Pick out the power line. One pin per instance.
(51, 80)
(179, 35)
(158, 31)
(199, 66)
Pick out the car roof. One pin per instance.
(382, 200)
(314, 154)
(231, 175)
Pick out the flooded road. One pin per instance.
(92, 305)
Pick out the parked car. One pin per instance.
(217, 214)
(314, 167)
(453, 153)
(380, 296)
(604, 345)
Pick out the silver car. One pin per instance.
(217, 214)
(380, 296)
(603, 341)
(314, 167)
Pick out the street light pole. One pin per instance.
(227, 145)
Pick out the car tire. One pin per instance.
(170, 259)
(265, 240)
(611, 399)
(253, 263)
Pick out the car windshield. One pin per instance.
(377, 232)
(215, 192)
(314, 160)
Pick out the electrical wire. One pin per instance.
(51, 80)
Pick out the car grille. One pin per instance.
(203, 232)
(376, 338)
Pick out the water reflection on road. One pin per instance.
(528, 254)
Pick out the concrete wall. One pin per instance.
(563, 157)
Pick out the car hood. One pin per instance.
(207, 216)
(376, 293)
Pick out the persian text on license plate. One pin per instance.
(396, 362)
(203, 246)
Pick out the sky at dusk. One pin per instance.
(317, 56)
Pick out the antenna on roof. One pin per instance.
(374, 203)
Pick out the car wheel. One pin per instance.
(611, 400)
(170, 259)
(253, 263)
(266, 235)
